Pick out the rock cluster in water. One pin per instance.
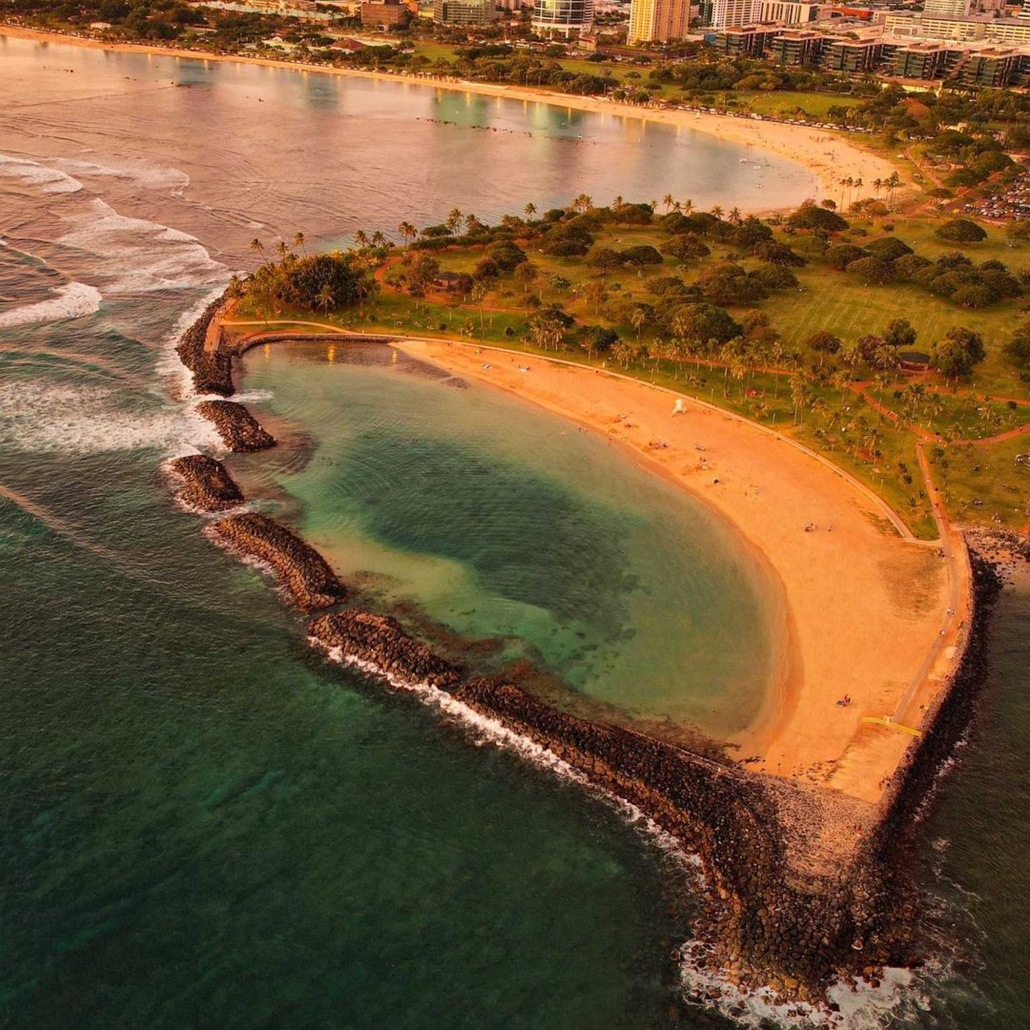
(204, 484)
(301, 570)
(237, 427)
(761, 928)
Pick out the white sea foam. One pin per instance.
(254, 396)
(139, 172)
(137, 256)
(485, 730)
(41, 417)
(72, 300)
(32, 174)
(859, 1006)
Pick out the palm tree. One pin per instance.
(407, 230)
(479, 292)
(735, 216)
(283, 251)
(877, 186)
(687, 206)
(617, 201)
(361, 239)
(256, 244)
(717, 210)
(298, 241)
(378, 238)
(453, 219)
(799, 394)
(583, 202)
(891, 185)
(639, 319)
(668, 202)
(529, 210)
(325, 299)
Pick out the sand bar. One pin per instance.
(828, 155)
(868, 609)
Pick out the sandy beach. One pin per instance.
(829, 156)
(865, 607)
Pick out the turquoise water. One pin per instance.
(201, 823)
(501, 520)
(204, 826)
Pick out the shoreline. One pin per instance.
(840, 602)
(826, 155)
(790, 906)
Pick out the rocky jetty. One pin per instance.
(916, 779)
(302, 571)
(204, 484)
(762, 927)
(211, 366)
(381, 641)
(237, 427)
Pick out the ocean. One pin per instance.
(206, 825)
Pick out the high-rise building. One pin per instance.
(946, 8)
(464, 12)
(729, 13)
(660, 20)
(563, 17)
(1025, 11)
(790, 12)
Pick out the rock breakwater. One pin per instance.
(761, 927)
(210, 364)
(239, 430)
(204, 484)
(914, 781)
(381, 641)
(298, 567)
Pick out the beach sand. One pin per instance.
(829, 156)
(865, 606)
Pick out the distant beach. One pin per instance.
(829, 156)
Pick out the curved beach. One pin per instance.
(829, 156)
(866, 606)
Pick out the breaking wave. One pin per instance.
(41, 417)
(72, 300)
(138, 256)
(32, 174)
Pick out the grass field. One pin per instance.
(832, 419)
(786, 104)
(984, 483)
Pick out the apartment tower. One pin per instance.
(730, 13)
(658, 20)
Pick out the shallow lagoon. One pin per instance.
(501, 520)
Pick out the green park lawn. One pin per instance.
(984, 483)
(834, 420)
